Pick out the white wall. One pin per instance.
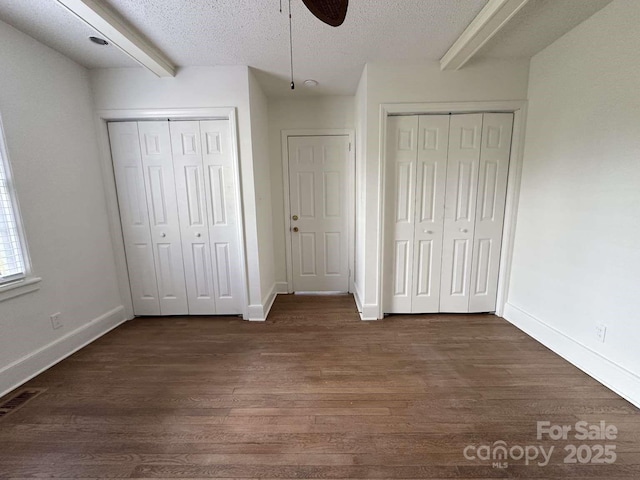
(262, 175)
(401, 83)
(46, 107)
(323, 112)
(576, 260)
(196, 87)
(361, 156)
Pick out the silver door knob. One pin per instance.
(294, 218)
(163, 235)
(464, 230)
(198, 235)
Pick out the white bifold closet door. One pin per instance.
(134, 216)
(493, 173)
(447, 178)
(144, 171)
(177, 198)
(416, 173)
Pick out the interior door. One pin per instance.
(489, 218)
(222, 214)
(318, 172)
(157, 161)
(402, 151)
(460, 211)
(132, 200)
(431, 173)
(192, 207)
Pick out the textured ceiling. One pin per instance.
(538, 25)
(52, 24)
(255, 33)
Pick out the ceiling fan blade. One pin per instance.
(331, 12)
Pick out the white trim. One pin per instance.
(259, 313)
(19, 287)
(511, 206)
(122, 35)
(369, 312)
(518, 108)
(15, 205)
(366, 312)
(608, 373)
(491, 19)
(27, 367)
(113, 211)
(351, 194)
(357, 296)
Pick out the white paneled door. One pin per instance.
(446, 179)
(318, 174)
(178, 201)
(460, 211)
(431, 172)
(416, 174)
(222, 215)
(134, 215)
(192, 204)
(402, 147)
(155, 147)
(492, 189)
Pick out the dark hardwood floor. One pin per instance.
(312, 393)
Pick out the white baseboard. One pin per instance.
(367, 311)
(27, 367)
(610, 374)
(259, 313)
(357, 296)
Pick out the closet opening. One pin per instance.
(449, 182)
(178, 197)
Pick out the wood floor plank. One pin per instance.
(312, 393)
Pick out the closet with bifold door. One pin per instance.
(176, 183)
(446, 184)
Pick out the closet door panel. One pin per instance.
(192, 208)
(400, 214)
(431, 172)
(460, 211)
(491, 197)
(155, 147)
(222, 213)
(132, 200)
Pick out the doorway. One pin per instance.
(319, 210)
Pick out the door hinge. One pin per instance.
(349, 146)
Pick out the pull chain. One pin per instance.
(293, 85)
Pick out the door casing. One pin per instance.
(350, 195)
(102, 117)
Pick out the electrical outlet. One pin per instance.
(56, 323)
(601, 331)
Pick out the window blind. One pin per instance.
(12, 265)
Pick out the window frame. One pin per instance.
(25, 282)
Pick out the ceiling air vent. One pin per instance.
(19, 400)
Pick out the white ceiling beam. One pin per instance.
(117, 32)
(491, 19)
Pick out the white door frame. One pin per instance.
(113, 211)
(351, 198)
(519, 110)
